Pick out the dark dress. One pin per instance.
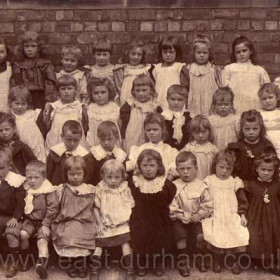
(150, 225)
(263, 218)
(245, 155)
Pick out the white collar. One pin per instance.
(14, 180)
(117, 190)
(60, 149)
(194, 185)
(149, 186)
(168, 114)
(46, 187)
(99, 153)
(63, 72)
(156, 145)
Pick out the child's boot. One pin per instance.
(159, 267)
(41, 268)
(128, 264)
(236, 269)
(95, 265)
(200, 261)
(24, 262)
(183, 262)
(217, 263)
(142, 266)
(12, 266)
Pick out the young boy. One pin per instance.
(177, 118)
(41, 208)
(71, 136)
(70, 61)
(191, 204)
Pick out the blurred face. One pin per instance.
(201, 136)
(34, 179)
(168, 56)
(224, 106)
(269, 101)
(19, 106)
(242, 53)
(135, 56)
(149, 168)
(251, 131)
(102, 58)
(113, 178)
(176, 102)
(223, 170)
(69, 62)
(67, 94)
(6, 132)
(75, 176)
(100, 95)
(201, 54)
(4, 169)
(265, 171)
(153, 132)
(30, 49)
(142, 93)
(3, 53)
(187, 170)
(108, 143)
(70, 140)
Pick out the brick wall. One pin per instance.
(61, 27)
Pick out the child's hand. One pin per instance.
(244, 221)
(100, 229)
(45, 231)
(195, 218)
(12, 223)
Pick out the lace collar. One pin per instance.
(103, 186)
(60, 149)
(149, 186)
(58, 104)
(99, 153)
(146, 107)
(82, 189)
(169, 115)
(14, 180)
(74, 72)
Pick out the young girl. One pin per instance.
(101, 107)
(269, 95)
(226, 230)
(264, 212)
(21, 154)
(155, 131)
(244, 76)
(113, 206)
(225, 124)
(252, 143)
(134, 112)
(205, 77)
(73, 230)
(5, 74)
(125, 74)
(27, 128)
(34, 72)
(150, 224)
(170, 71)
(200, 145)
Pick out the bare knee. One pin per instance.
(24, 235)
(181, 244)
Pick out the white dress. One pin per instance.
(164, 78)
(245, 79)
(4, 89)
(30, 134)
(224, 229)
(271, 121)
(204, 155)
(225, 130)
(98, 114)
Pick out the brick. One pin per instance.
(277, 57)
(146, 26)
(265, 57)
(276, 37)
(253, 13)
(11, 39)
(64, 15)
(51, 15)
(244, 25)
(6, 16)
(119, 37)
(160, 26)
(90, 26)
(118, 26)
(6, 28)
(86, 38)
(257, 25)
(76, 27)
(164, 14)
(273, 13)
(132, 26)
(201, 25)
(174, 26)
(30, 15)
(229, 25)
(225, 13)
(87, 15)
(188, 26)
(21, 27)
(197, 14)
(63, 26)
(225, 37)
(141, 15)
(52, 49)
(259, 37)
(113, 15)
(272, 68)
(48, 26)
(220, 48)
(222, 59)
(271, 25)
(104, 26)
(268, 47)
(216, 25)
(147, 37)
(57, 38)
(178, 14)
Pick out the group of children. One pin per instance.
(146, 157)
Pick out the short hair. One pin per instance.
(9, 118)
(66, 80)
(106, 128)
(226, 155)
(168, 43)
(112, 165)
(6, 156)
(134, 45)
(8, 50)
(20, 92)
(198, 123)
(252, 116)
(178, 89)
(158, 119)
(269, 88)
(94, 82)
(220, 95)
(199, 40)
(103, 45)
(150, 154)
(74, 162)
(185, 156)
(72, 50)
(74, 126)
(143, 80)
(38, 166)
